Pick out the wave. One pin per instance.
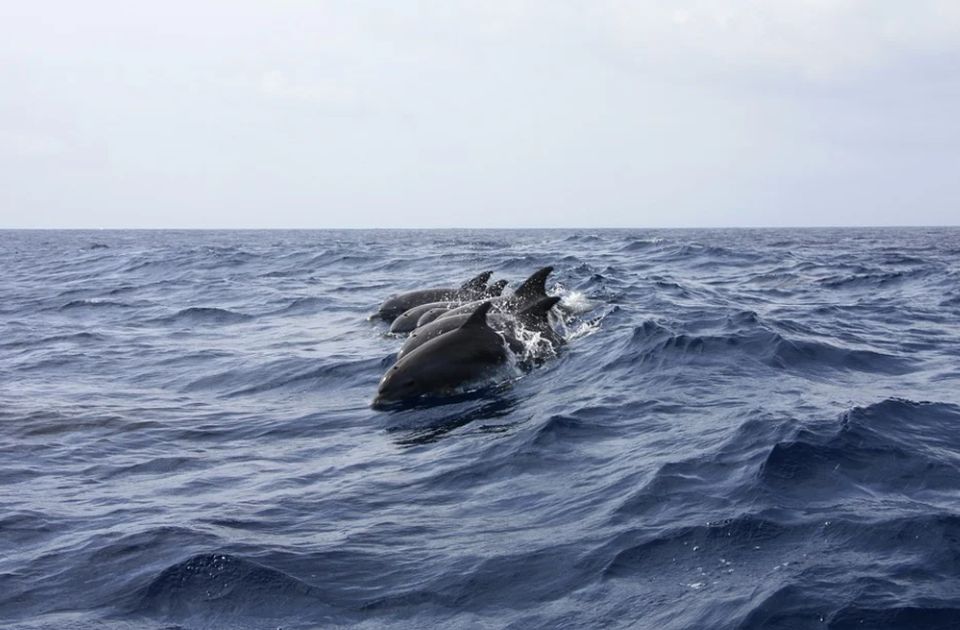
(841, 589)
(205, 316)
(217, 586)
(707, 254)
(154, 466)
(654, 345)
(583, 238)
(294, 374)
(896, 446)
(872, 279)
(953, 300)
(94, 303)
(563, 431)
(337, 371)
(642, 245)
(737, 536)
(83, 337)
(304, 306)
(923, 615)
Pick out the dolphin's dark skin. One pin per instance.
(409, 319)
(495, 289)
(441, 365)
(430, 315)
(533, 288)
(533, 317)
(470, 290)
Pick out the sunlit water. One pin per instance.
(754, 429)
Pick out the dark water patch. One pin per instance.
(153, 466)
(220, 587)
(21, 528)
(700, 253)
(789, 607)
(567, 431)
(834, 602)
(482, 584)
(716, 478)
(927, 541)
(654, 345)
(641, 245)
(204, 315)
(736, 538)
(788, 353)
(951, 301)
(123, 290)
(20, 475)
(583, 238)
(290, 375)
(895, 617)
(867, 279)
(286, 273)
(142, 264)
(427, 421)
(52, 424)
(304, 306)
(896, 446)
(94, 304)
(79, 338)
(225, 257)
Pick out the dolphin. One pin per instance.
(533, 317)
(410, 319)
(495, 289)
(439, 308)
(430, 315)
(470, 290)
(533, 288)
(471, 352)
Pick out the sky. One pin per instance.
(454, 113)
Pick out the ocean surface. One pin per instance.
(746, 429)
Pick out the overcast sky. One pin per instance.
(479, 114)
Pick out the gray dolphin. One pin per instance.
(533, 288)
(470, 290)
(533, 317)
(430, 315)
(410, 318)
(495, 289)
(441, 365)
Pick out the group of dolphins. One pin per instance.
(462, 335)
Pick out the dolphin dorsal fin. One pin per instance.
(478, 317)
(495, 289)
(534, 287)
(540, 308)
(478, 283)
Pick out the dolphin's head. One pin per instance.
(397, 385)
(443, 364)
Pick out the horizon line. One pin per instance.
(448, 228)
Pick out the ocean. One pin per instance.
(745, 429)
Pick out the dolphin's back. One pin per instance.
(446, 362)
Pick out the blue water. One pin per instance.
(747, 429)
